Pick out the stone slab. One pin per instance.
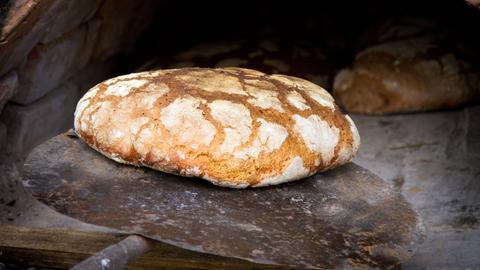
(32, 124)
(49, 65)
(8, 87)
(3, 136)
(28, 21)
(69, 15)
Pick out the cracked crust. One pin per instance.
(231, 126)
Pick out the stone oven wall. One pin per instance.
(51, 52)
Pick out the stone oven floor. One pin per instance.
(433, 159)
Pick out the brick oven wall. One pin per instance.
(51, 52)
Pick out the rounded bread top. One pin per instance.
(234, 127)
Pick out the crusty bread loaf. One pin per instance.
(407, 74)
(295, 58)
(234, 127)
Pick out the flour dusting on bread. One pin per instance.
(234, 127)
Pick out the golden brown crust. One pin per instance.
(235, 127)
(408, 75)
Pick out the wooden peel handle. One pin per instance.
(116, 257)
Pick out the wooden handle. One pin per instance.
(116, 257)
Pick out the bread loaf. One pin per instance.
(234, 127)
(407, 73)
